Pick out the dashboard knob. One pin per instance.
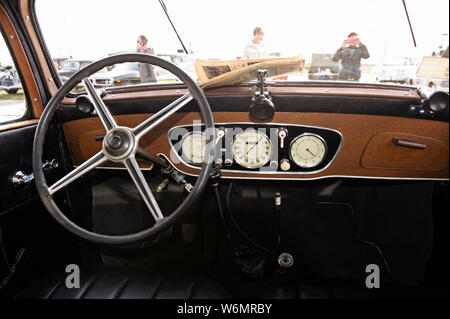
(285, 165)
(274, 164)
(218, 163)
(228, 162)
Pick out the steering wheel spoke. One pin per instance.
(159, 117)
(103, 113)
(139, 180)
(81, 170)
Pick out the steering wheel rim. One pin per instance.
(39, 139)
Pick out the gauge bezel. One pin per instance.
(181, 148)
(246, 131)
(301, 136)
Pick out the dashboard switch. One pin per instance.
(220, 134)
(282, 133)
(285, 165)
(228, 162)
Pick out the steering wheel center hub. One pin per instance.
(115, 142)
(119, 144)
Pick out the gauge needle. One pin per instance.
(310, 152)
(254, 145)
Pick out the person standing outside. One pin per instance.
(256, 49)
(350, 53)
(146, 71)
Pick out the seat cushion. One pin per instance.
(119, 283)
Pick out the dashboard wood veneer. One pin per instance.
(355, 159)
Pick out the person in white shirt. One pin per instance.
(256, 49)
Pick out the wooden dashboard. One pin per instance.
(368, 149)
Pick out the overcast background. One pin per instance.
(221, 29)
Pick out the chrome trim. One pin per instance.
(181, 143)
(269, 171)
(298, 179)
(144, 190)
(102, 110)
(79, 171)
(308, 134)
(146, 126)
(131, 148)
(246, 131)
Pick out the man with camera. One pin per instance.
(350, 53)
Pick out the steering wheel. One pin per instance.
(120, 144)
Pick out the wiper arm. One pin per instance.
(163, 6)
(409, 22)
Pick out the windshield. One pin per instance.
(348, 40)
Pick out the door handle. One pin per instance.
(20, 178)
(408, 143)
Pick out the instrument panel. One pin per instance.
(253, 148)
(364, 153)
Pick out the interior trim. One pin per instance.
(293, 179)
(25, 12)
(23, 63)
(15, 125)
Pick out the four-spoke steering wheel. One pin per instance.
(120, 144)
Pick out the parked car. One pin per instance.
(119, 75)
(128, 73)
(69, 67)
(435, 79)
(323, 67)
(9, 80)
(57, 62)
(397, 70)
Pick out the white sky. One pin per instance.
(221, 28)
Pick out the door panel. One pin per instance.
(16, 146)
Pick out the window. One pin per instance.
(12, 99)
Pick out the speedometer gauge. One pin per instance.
(251, 149)
(308, 150)
(193, 147)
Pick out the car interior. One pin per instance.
(259, 189)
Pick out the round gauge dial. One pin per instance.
(308, 150)
(251, 149)
(193, 147)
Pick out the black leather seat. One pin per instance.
(117, 283)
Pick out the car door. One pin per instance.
(26, 231)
